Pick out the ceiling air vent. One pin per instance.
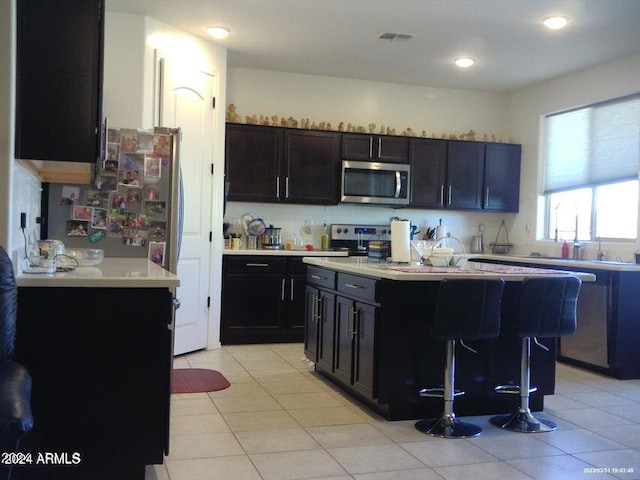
(400, 37)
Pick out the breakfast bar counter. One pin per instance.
(367, 331)
(416, 272)
(111, 272)
(98, 344)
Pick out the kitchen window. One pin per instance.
(591, 171)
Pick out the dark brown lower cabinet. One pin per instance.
(263, 299)
(100, 360)
(355, 344)
(320, 328)
(340, 329)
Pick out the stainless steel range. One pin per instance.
(355, 238)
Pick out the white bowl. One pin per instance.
(439, 260)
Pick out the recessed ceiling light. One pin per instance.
(464, 62)
(556, 22)
(218, 32)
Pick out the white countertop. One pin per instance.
(287, 253)
(568, 262)
(111, 272)
(415, 272)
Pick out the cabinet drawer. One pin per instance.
(254, 264)
(321, 277)
(355, 286)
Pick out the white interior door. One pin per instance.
(187, 104)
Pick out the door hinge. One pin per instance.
(210, 237)
(208, 302)
(213, 103)
(212, 169)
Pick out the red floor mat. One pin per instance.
(193, 380)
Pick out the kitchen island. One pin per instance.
(98, 344)
(367, 331)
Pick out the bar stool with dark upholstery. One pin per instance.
(465, 310)
(546, 309)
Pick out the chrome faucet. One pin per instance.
(601, 253)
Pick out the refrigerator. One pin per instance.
(132, 208)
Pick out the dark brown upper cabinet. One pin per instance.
(277, 165)
(375, 148)
(60, 48)
(502, 177)
(464, 175)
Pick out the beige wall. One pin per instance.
(335, 100)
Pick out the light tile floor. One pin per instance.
(281, 421)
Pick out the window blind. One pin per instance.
(594, 145)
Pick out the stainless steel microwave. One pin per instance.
(376, 183)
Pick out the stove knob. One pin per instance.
(346, 230)
(339, 230)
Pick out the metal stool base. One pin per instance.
(523, 421)
(448, 426)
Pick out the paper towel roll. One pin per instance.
(400, 241)
(441, 232)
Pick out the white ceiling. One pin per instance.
(339, 37)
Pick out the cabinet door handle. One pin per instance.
(256, 264)
(379, 147)
(441, 195)
(356, 322)
(282, 289)
(278, 186)
(486, 198)
(286, 187)
(371, 147)
(291, 288)
(449, 196)
(352, 285)
(319, 301)
(314, 307)
(318, 277)
(349, 331)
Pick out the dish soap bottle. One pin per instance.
(325, 237)
(565, 250)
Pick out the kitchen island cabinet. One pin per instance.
(386, 364)
(320, 317)
(608, 315)
(98, 345)
(281, 165)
